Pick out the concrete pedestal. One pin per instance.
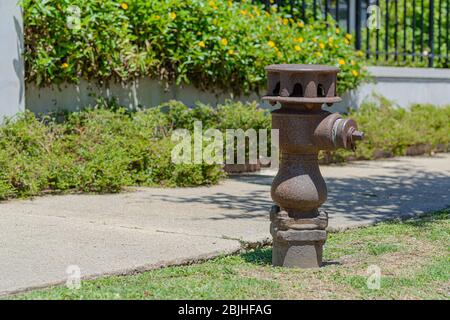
(297, 254)
(297, 243)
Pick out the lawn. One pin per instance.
(413, 257)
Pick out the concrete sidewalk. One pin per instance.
(148, 228)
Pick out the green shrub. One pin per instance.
(96, 150)
(215, 44)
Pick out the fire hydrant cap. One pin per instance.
(302, 68)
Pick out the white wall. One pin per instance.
(12, 89)
(143, 92)
(404, 86)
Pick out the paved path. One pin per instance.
(147, 228)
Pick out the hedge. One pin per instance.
(104, 149)
(216, 45)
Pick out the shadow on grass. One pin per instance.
(428, 218)
(259, 256)
(263, 257)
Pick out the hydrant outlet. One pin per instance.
(345, 133)
(334, 132)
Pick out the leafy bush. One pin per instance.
(215, 44)
(93, 151)
(104, 149)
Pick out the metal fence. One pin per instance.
(406, 32)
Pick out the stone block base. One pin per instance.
(297, 242)
(297, 254)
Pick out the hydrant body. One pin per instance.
(297, 225)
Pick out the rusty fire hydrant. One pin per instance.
(298, 190)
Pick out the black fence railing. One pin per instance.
(404, 32)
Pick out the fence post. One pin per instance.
(12, 88)
(358, 25)
(431, 35)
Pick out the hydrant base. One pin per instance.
(297, 254)
(297, 242)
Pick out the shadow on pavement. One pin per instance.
(406, 192)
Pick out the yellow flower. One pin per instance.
(243, 12)
(231, 51)
(223, 41)
(299, 39)
(297, 48)
(349, 36)
(338, 30)
(285, 21)
(330, 39)
(201, 44)
(271, 44)
(124, 5)
(65, 65)
(321, 45)
(272, 1)
(157, 17)
(314, 40)
(341, 62)
(172, 15)
(346, 41)
(212, 4)
(230, 3)
(355, 73)
(359, 53)
(300, 24)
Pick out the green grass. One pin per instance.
(413, 257)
